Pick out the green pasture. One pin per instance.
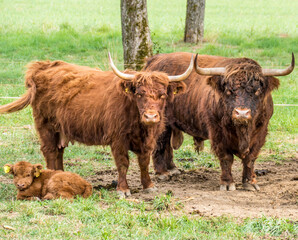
(83, 32)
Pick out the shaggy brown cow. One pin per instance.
(34, 183)
(76, 103)
(228, 101)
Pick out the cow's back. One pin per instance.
(73, 99)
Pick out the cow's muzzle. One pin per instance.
(241, 115)
(21, 186)
(150, 117)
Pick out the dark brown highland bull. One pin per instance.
(228, 100)
(76, 103)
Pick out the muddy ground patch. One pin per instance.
(198, 190)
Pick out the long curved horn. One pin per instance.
(280, 72)
(184, 75)
(122, 75)
(209, 71)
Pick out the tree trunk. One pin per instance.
(136, 38)
(194, 23)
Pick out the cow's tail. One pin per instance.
(32, 69)
(88, 191)
(21, 103)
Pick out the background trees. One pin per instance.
(136, 38)
(194, 23)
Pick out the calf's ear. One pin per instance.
(37, 169)
(176, 88)
(8, 168)
(125, 87)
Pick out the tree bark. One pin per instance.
(194, 23)
(136, 38)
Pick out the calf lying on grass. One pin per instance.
(32, 182)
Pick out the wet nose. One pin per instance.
(242, 113)
(151, 117)
(21, 185)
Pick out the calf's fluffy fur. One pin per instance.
(32, 182)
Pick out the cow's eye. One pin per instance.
(249, 89)
(258, 92)
(28, 175)
(228, 92)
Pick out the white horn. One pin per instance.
(122, 75)
(280, 72)
(184, 75)
(209, 71)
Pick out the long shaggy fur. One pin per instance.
(76, 103)
(205, 110)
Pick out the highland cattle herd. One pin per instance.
(225, 100)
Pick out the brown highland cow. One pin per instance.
(228, 100)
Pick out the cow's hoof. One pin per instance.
(229, 187)
(150, 190)
(174, 171)
(163, 177)
(251, 187)
(232, 187)
(123, 194)
(36, 199)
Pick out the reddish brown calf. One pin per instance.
(34, 183)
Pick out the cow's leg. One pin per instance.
(199, 144)
(249, 179)
(122, 162)
(144, 160)
(226, 179)
(49, 140)
(59, 162)
(163, 155)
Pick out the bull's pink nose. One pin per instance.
(21, 185)
(242, 113)
(150, 116)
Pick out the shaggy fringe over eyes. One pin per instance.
(150, 78)
(241, 74)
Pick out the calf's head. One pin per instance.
(23, 173)
(243, 86)
(151, 90)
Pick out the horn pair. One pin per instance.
(266, 72)
(129, 77)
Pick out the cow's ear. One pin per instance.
(176, 138)
(175, 88)
(214, 82)
(37, 169)
(273, 83)
(8, 168)
(126, 87)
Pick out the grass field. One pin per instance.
(83, 32)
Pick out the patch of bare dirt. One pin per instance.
(198, 190)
